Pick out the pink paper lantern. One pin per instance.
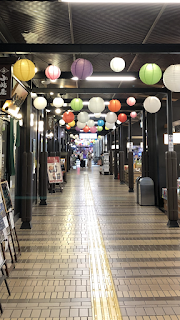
(52, 72)
(77, 129)
(81, 68)
(131, 101)
(93, 129)
(133, 114)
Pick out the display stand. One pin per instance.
(3, 278)
(9, 214)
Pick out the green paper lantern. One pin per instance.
(76, 104)
(150, 73)
(99, 128)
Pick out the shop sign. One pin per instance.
(5, 81)
(54, 170)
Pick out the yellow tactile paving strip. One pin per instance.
(105, 304)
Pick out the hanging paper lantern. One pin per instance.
(76, 104)
(61, 122)
(90, 123)
(52, 72)
(150, 73)
(131, 101)
(96, 105)
(77, 129)
(133, 114)
(114, 105)
(118, 122)
(122, 117)
(68, 116)
(100, 123)
(81, 125)
(152, 104)
(109, 125)
(72, 123)
(58, 102)
(171, 78)
(97, 115)
(24, 69)
(40, 103)
(99, 128)
(86, 129)
(82, 68)
(106, 128)
(117, 64)
(83, 117)
(111, 117)
(93, 129)
(68, 127)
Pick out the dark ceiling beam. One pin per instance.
(123, 101)
(68, 75)
(98, 90)
(26, 48)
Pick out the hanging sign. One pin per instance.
(5, 81)
(54, 170)
(170, 143)
(50, 123)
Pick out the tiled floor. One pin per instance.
(52, 276)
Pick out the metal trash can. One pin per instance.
(146, 192)
(137, 189)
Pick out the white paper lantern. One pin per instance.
(83, 117)
(117, 64)
(97, 115)
(90, 123)
(76, 136)
(58, 102)
(96, 105)
(109, 125)
(111, 117)
(40, 103)
(71, 135)
(61, 122)
(152, 104)
(81, 125)
(118, 122)
(171, 78)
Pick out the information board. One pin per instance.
(54, 170)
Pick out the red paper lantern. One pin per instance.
(68, 116)
(122, 117)
(114, 105)
(133, 114)
(131, 101)
(68, 127)
(86, 129)
(52, 72)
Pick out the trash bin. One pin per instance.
(146, 192)
(137, 189)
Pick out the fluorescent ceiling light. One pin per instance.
(107, 78)
(122, 1)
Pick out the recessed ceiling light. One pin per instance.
(115, 78)
(51, 93)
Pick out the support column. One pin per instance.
(115, 157)
(121, 155)
(43, 167)
(27, 169)
(130, 161)
(171, 170)
(110, 156)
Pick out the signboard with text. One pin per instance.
(54, 170)
(5, 81)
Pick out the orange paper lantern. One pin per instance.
(122, 117)
(114, 105)
(68, 116)
(86, 129)
(68, 127)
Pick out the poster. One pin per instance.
(2, 214)
(6, 196)
(106, 162)
(54, 170)
(63, 164)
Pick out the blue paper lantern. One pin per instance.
(100, 123)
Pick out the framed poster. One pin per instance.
(6, 196)
(54, 170)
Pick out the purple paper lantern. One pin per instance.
(93, 129)
(77, 129)
(82, 68)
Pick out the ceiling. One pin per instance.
(53, 22)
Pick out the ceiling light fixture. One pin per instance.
(115, 78)
(123, 1)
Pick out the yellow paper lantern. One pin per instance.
(24, 69)
(72, 123)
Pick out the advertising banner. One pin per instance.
(54, 170)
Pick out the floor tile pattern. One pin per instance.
(52, 276)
